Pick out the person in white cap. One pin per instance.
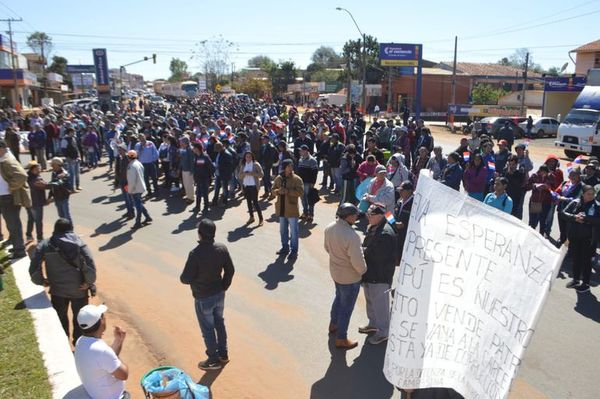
(102, 373)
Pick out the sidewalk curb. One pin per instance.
(52, 341)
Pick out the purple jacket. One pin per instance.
(475, 182)
(37, 139)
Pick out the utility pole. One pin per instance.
(232, 72)
(524, 85)
(364, 76)
(453, 100)
(12, 58)
(45, 86)
(348, 94)
(389, 89)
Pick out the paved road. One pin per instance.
(277, 311)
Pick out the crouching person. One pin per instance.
(102, 372)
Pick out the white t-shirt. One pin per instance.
(4, 190)
(249, 180)
(96, 361)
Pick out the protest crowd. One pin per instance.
(208, 150)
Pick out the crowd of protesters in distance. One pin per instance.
(209, 150)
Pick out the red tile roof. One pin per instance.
(479, 69)
(588, 48)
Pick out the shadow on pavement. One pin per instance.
(37, 301)
(588, 306)
(277, 272)
(241, 232)
(117, 241)
(108, 228)
(362, 379)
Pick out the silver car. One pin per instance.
(542, 127)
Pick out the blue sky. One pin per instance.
(130, 30)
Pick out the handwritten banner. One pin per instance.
(469, 291)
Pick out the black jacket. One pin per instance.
(64, 279)
(208, 270)
(59, 185)
(268, 155)
(381, 262)
(203, 168)
(334, 154)
(588, 230)
(225, 164)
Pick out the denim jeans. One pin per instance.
(287, 227)
(267, 179)
(150, 172)
(35, 215)
(139, 207)
(210, 317)
(550, 219)
(336, 175)
(62, 207)
(92, 157)
(342, 307)
(73, 169)
(11, 212)
(128, 201)
(307, 208)
(535, 218)
(220, 182)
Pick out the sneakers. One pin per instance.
(293, 255)
(345, 344)
(376, 340)
(251, 220)
(573, 284)
(282, 252)
(367, 330)
(583, 288)
(148, 220)
(209, 364)
(136, 226)
(224, 359)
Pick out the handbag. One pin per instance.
(535, 207)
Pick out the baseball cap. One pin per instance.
(379, 169)
(520, 146)
(89, 315)
(377, 209)
(304, 147)
(503, 142)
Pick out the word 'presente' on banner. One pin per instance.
(469, 291)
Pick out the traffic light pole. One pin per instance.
(122, 69)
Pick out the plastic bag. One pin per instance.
(171, 379)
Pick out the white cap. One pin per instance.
(90, 315)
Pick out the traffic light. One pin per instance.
(154, 58)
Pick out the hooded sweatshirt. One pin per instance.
(63, 277)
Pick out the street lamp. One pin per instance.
(364, 62)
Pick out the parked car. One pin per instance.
(542, 127)
(494, 123)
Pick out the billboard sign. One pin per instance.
(480, 110)
(399, 54)
(101, 64)
(564, 83)
(81, 69)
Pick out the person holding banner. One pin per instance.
(377, 280)
(346, 265)
(402, 215)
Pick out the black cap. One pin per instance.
(347, 209)
(377, 209)
(304, 147)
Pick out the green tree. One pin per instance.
(179, 70)
(261, 61)
(324, 75)
(517, 60)
(352, 54)
(41, 44)
(281, 75)
(485, 94)
(327, 57)
(58, 65)
(255, 88)
(553, 71)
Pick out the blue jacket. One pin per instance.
(186, 159)
(224, 165)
